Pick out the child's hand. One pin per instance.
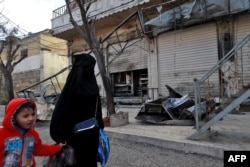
(62, 144)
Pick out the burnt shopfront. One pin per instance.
(128, 68)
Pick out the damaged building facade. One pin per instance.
(153, 43)
(192, 37)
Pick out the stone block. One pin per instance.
(119, 119)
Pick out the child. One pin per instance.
(19, 141)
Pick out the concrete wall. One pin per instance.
(47, 55)
(52, 64)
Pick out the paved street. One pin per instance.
(140, 144)
(125, 153)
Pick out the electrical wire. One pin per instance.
(23, 35)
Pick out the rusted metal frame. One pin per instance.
(236, 48)
(197, 94)
(119, 41)
(49, 78)
(121, 24)
(119, 54)
(197, 83)
(117, 36)
(54, 84)
(218, 117)
(115, 31)
(109, 35)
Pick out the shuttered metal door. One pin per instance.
(186, 54)
(128, 56)
(241, 29)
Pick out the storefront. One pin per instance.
(128, 68)
(186, 54)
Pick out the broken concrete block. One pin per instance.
(119, 119)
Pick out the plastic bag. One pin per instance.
(104, 147)
(64, 158)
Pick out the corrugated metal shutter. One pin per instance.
(133, 57)
(242, 28)
(187, 54)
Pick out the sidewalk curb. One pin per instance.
(194, 148)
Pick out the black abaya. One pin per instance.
(77, 103)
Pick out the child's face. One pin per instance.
(26, 118)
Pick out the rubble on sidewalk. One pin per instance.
(176, 109)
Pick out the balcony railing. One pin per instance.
(63, 10)
(59, 11)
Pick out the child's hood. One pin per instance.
(10, 110)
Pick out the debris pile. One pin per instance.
(176, 109)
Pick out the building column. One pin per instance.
(153, 80)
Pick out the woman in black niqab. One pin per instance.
(76, 103)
